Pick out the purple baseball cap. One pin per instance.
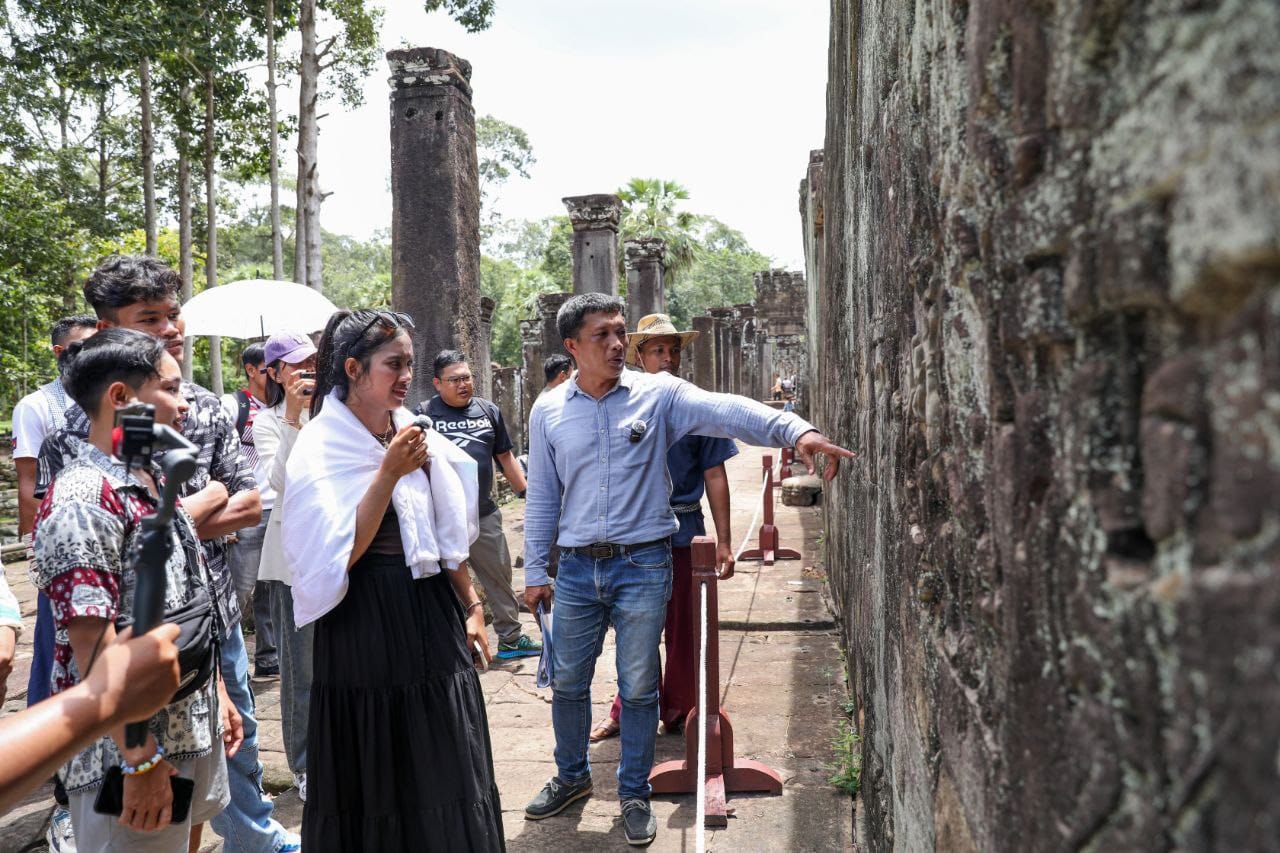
(287, 347)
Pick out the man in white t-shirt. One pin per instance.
(40, 413)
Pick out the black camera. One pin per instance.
(137, 436)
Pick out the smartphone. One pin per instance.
(110, 798)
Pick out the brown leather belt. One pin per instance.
(608, 550)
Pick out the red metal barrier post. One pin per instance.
(725, 774)
(769, 549)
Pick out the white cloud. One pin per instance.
(725, 96)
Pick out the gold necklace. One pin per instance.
(385, 438)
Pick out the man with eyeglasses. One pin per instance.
(475, 425)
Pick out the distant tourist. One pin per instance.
(556, 368)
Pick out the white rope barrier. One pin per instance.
(701, 843)
(755, 519)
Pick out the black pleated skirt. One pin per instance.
(398, 753)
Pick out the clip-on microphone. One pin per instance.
(135, 439)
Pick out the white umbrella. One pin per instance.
(257, 307)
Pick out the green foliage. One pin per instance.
(41, 248)
(514, 290)
(474, 15)
(846, 774)
(348, 57)
(502, 149)
(557, 257)
(722, 273)
(649, 210)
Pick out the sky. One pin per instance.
(725, 96)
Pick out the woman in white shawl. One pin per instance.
(398, 752)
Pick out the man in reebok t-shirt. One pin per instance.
(475, 425)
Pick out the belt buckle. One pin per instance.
(600, 551)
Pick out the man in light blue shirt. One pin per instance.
(599, 487)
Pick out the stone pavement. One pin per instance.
(782, 684)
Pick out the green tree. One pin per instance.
(39, 243)
(474, 15)
(722, 274)
(650, 210)
(503, 150)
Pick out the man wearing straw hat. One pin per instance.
(599, 487)
(694, 462)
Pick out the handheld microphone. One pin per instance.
(424, 423)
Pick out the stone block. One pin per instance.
(805, 490)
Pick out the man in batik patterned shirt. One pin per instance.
(142, 293)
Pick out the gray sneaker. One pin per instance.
(638, 822)
(555, 797)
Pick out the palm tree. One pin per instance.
(649, 210)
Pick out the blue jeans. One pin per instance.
(629, 592)
(40, 681)
(246, 823)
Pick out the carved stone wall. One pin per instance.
(1050, 325)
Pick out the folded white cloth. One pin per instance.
(331, 467)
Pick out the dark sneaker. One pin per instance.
(555, 797)
(638, 822)
(268, 672)
(521, 648)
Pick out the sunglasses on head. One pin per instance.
(397, 318)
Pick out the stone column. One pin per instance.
(646, 291)
(595, 242)
(531, 349)
(507, 396)
(548, 307)
(721, 317)
(735, 352)
(435, 205)
(747, 378)
(704, 353)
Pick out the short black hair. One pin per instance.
(445, 358)
(123, 280)
(112, 355)
(253, 354)
(555, 364)
(573, 312)
(58, 333)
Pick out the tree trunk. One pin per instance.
(103, 162)
(307, 237)
(277, 239)
(148, 156)
(186, 263)
(211, 228)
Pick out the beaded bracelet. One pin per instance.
(146, 766)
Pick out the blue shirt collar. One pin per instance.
(626, 380)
